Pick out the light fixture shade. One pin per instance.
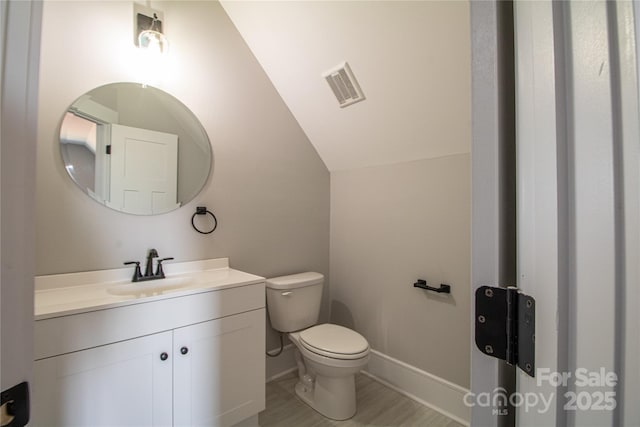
(153, 41)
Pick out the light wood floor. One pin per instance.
(378, 405)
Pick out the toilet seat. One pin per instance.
(334, 341)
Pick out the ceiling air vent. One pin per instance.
(344, 85)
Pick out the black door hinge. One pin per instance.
(506, 326)
(108, 150)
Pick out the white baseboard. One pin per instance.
(249, 422)
(281, 364)
(425, 388)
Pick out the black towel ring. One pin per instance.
(202, 210)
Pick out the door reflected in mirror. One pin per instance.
(135, 149)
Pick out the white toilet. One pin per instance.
(328, 356)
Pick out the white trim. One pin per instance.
(425, 388)
(282, 364)
(21, 24)
(93, 111)
(281, 374)
(249, 422)
(491, 201)
(628, 51)
(542, 204)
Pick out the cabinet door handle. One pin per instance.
(184, 350)
(164, 356)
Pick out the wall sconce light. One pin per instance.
(149, 33)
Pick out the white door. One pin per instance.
(492, 222)
(122, 384)
(205, 393)
(19, 53)
(144, 170)
(578, 187)
(542, 205)
(578, 157)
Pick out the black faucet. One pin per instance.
(148, 271)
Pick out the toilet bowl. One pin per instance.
(328, 355)
(330, 367)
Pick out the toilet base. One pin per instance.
(332, 397)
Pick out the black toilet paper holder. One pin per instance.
(422, 284)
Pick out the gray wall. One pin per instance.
(391, 225)
(269, 189)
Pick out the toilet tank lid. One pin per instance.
(293, 281)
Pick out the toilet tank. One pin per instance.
(293, 301)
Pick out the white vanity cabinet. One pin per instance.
(120, 384)
(219, 380)
(184, 360)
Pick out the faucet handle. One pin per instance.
(159, 270)
(137, 274)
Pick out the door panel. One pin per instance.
(573, 122)
(493, 196)
(541, 181)
(592, 276)
(144, 170)
(19, 50)
(220, 380)
(121, 384)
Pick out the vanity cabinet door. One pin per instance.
(219, 370)
(123, 384)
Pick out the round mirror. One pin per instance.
(135, 149)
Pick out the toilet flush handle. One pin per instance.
(286, 294)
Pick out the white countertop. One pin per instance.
(64, 294)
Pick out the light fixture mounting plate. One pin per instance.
(142, 20)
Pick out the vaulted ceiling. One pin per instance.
(411, 58)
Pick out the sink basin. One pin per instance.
(151, 287)
(60, 295)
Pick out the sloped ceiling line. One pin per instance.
(412, 57)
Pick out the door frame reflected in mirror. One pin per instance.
(86, 148)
